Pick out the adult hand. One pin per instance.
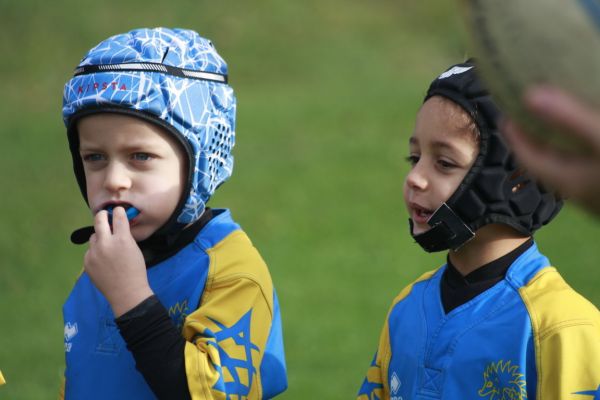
(574, 176)
(115, 263)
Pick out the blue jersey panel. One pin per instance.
(483, 345)
(273, 369)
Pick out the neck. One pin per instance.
(490, 243)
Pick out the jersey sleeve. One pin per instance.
(61, 390)
(228, 334)
(375, 385)
(570, 362)
(2, 381)
(566, 331)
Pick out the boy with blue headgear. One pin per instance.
(496, 321)
(174, 301)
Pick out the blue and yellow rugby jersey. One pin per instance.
(219, 291)
(528, 337)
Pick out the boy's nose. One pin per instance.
(415, 179)
(116, 178)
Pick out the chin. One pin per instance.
(140, 235)
(419, 229)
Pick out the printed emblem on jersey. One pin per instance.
(236, 373)
(372, 388)
(70, 332)
(178, 312)
(395, 384)
(595, 394)
(503, 381)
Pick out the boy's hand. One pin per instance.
(115, 263)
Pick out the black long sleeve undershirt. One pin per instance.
(151, 336)
(457, 289)
(157, 347)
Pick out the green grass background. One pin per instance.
(327, 91)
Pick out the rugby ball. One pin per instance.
(517, 43)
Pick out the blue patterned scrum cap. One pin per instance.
(174, 78)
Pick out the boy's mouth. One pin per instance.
(130, 210)
(420, 215)
(111, 206)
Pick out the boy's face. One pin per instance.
(442, 150)
(131, 162)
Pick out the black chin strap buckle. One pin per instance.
(447, 231)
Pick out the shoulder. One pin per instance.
(553, 305)
(404, 293)
(236, 269)
(235, 256)
(230, 251)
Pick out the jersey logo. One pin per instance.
(178, 313)
(395, 383)
(70, 332)
(503, 381)
(594, 393)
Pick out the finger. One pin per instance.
(101, 225)
(120, 221)
(520, 143)
(545, 165)
(562, 109)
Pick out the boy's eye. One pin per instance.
(446, 164)
(412, 159)
(141, 156)
(93, 157)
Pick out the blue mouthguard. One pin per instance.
(131, 212)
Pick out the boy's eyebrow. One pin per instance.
(88, 148)
(131, 147)
(435, 144)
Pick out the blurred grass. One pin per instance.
(327, 92)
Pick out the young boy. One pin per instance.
(497, 321)
(175, 303)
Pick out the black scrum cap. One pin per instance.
(495, 189)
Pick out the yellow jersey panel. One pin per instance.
(567, 337)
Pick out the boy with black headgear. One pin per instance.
(497, 321)
(174, 301)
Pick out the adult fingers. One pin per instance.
(560, 108)
(544, 164)
(527, 152)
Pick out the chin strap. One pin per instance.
(447, 231)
